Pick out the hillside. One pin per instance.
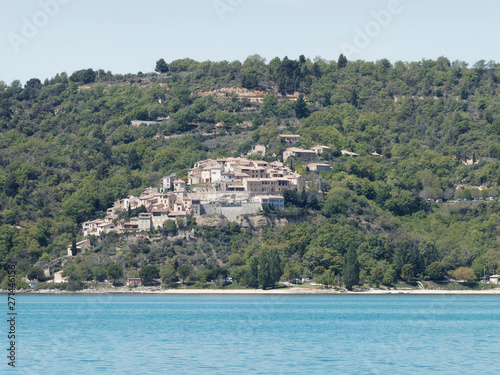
(70, 149)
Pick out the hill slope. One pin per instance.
(69, 150)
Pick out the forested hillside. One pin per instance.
(69, 149)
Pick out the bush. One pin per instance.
(74, 285)
(435, 271)
(465, 274)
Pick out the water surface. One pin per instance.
(241, 334)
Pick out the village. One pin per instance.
(229, 187)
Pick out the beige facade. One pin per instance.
(158, 217)
(179, 185)
(58, 278)
(266, 185)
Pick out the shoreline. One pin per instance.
(288, 291)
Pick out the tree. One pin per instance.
(288, 75)
(389, 276)
(238, 273)
(35, 273)
(183, 272)
(328, 278)
(318, 271)
(351, 269)
(464, 274)
(254, 267)
(169, 228)
(33, 83)
(168, 274)
(11, 186)
(148, 273)
(250, 277)
(342, 61)
(76, 209)
(407, 272)
(133, 159)
(301, 110)
(74, 250)
(269, 105)
(435, 270)
(161, 66)
(275, 269)
(83, 76)
(99, 273)
(264, 271)
(250, 79)
(377, 274)
(114, 272)
(287, 272)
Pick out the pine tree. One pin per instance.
(253, 273)
(11, 186)
(351, 269)
(302, 198)
(264, 271)
(275, 269)
(301, 110)
(342, 62)
(254, 267)
(161, 66)
(74, 250)
(133, 159)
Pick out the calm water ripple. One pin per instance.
(241, 334)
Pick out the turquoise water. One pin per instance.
(312, 334)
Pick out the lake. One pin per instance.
(242, 334)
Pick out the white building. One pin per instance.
(179, 185)
(58, 278)
(97, 227)
(168, 182)
(257, 149)
(495, 279)
(273, 201)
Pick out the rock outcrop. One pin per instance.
(213, 221)
(258, 222)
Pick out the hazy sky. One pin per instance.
(39, 38)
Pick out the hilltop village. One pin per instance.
(227, 186)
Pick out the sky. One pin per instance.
(40, 38)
